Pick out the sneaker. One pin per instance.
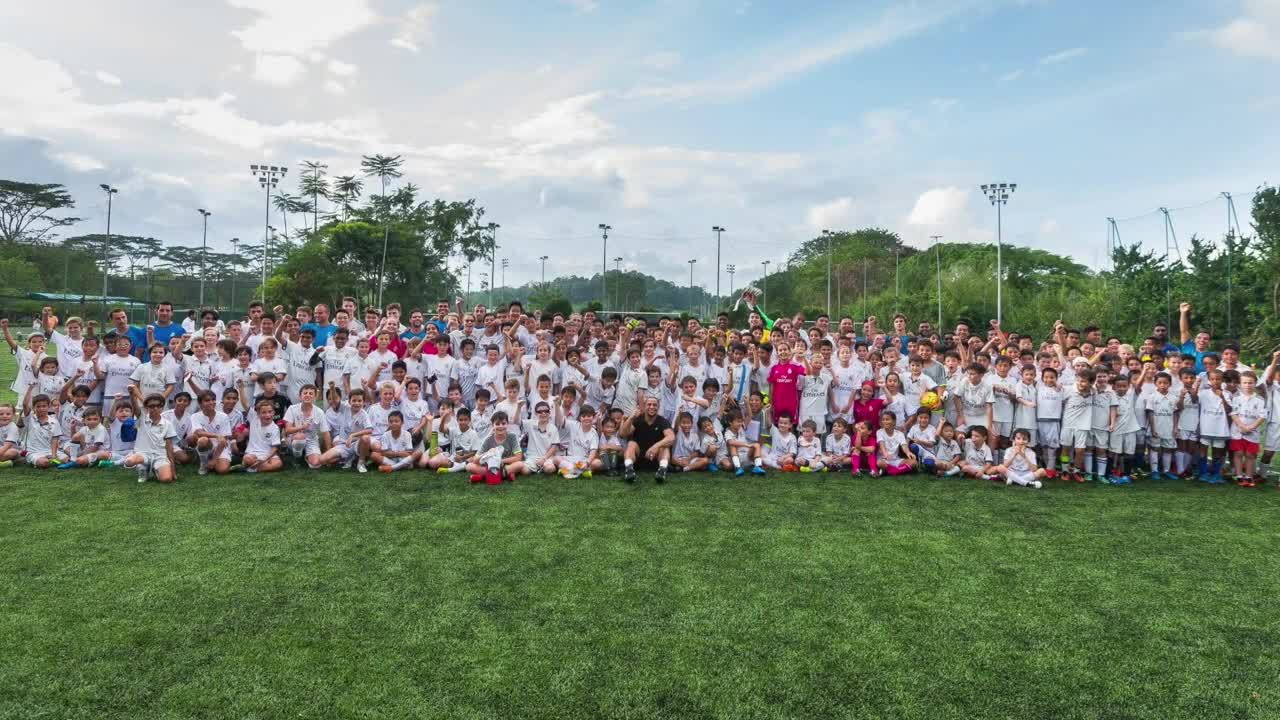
(6, 463)
(660, 476)
(477, 478)
(236, 468)
(856, 473)
(66, 466)
(386, 469)
(445, 471)
(1051, 474)
(361, 467)
(739, 472)
(629, 474)
(1101, 479)
(997, 478)
(953, 472)
(492, 478)
(142, 473)
(789, 467)
(105, 464)
(204, 470)
(757, 470)
(713, 468)
(1036, 484)
(1243, 482)
(806, 469)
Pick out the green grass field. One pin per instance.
(336, 595)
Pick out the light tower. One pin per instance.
(998, 194)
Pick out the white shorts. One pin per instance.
(1124, 443)
(1272, 443)
(1077, 439)
(311, 447)
(1021, 477)
(1003, 429)
(33, 458)
(1213, 442)
(118, 457)
(154, 460)
(1048, 432)
(1100, 438)
(1159, 443)
(1187, 435)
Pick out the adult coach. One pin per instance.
(1197, 346)
(120, 327)
(164, 326)
(649, 439)
(320, 325)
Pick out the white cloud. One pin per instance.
(107, 78)
(833, 215)
(564, 122)
(1256, 33)
(296, 27)
(1065, 55)
(78, 162)
(333, 87)
(761, 68)
(415, 28)
(278, 70)
(661, 60)
(939, 207)
(342, 69)
(1011, 75)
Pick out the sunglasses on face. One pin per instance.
(152, 406)
(542, 412)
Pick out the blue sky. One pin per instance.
(660, 118)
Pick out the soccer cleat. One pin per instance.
(1036, 484)
(1102, 479)
(806, 469)
(789, 467)
(445, 471)
(739, 472)
(66, 466)
(105, 464)
(203, 470)
(361, 467)
(386, 469)
(492, 478)
(1051, 474)
(6, 463)
(629, 474)
(1008, 481)
(713, 468)
(757, 470)
(477, 478)
(660, 476)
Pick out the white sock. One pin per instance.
(1101, 464)
(759, 462)
(662, 464)
(457, 467)
(737, 461)
(1164, 461)
(1088, 462)
(297, 448)
(628, 462)
(403, 463)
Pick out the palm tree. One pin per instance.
(347, 189)
(316, 186)
(382, 167)
(286, 203)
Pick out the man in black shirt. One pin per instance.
(650, 438)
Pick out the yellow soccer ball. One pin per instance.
(930, 401)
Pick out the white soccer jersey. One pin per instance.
(262, 438)
(1213, 415)
(540, 439)
(315, 422)
(1163, 408)
(219, 424)
(152, 379)
(891, 445)
(1247, 409)
(93, 439)
(841, 445)
(582, 442)
(181, 425)
(396, 443)
(40, 435)
(152, 435)
(119, 372)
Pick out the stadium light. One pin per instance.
(268, 177)
(717, 229)
(204, 249)
(106, 258)
(604, 260)
(998, 194)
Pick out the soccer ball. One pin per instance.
(930, 401)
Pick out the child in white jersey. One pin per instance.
(1049, 400)
(307, 428)
(687, 454)
(458, 442)
(212, 432)
(838, 444)
(153, 451)
(1124, 437)
(978, 461)
(1161, 408)
(781, 453)
(581, 445)
(895, 456)
(262, 454)
(1019, 466)
(809, 447)
(948, 453)
(742, 451)
(394, 449)
(1271, 384)
(1215, 427)
(1248, 412)
(10, 436)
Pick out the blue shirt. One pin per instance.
(162, 333)
(1189, 348)
(323, 332)
(409, 335)
(441, 325)
(137, 337)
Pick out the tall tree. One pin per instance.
(314, 184)
(383, 167)
(26, 211)
(347, 189)
(285, 204)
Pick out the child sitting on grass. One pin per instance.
(977, 459)
(809, 448)
(895, 457)
(1019, 466)
(742, 452)
(781, 453)
(838, 445)
(864, 449)
(10, 436)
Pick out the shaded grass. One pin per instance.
(332, 595)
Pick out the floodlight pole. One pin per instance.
(998, 194)
(937, 251)
(106, 256)
(204, 249)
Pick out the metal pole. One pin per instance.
(386, 238)
(204, 250)
(691, 300)
(896, 305)
(604, 263)
(266, 240)
(235, 251)
(717, 229)
(865, 313)
(106, 257)
(937, 251)
(764, 284)
(828, 233)
(999, 264)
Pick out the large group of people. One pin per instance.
(497, 394)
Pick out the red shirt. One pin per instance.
(868, 411)
(784, 391)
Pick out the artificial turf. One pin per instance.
(803, 596)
